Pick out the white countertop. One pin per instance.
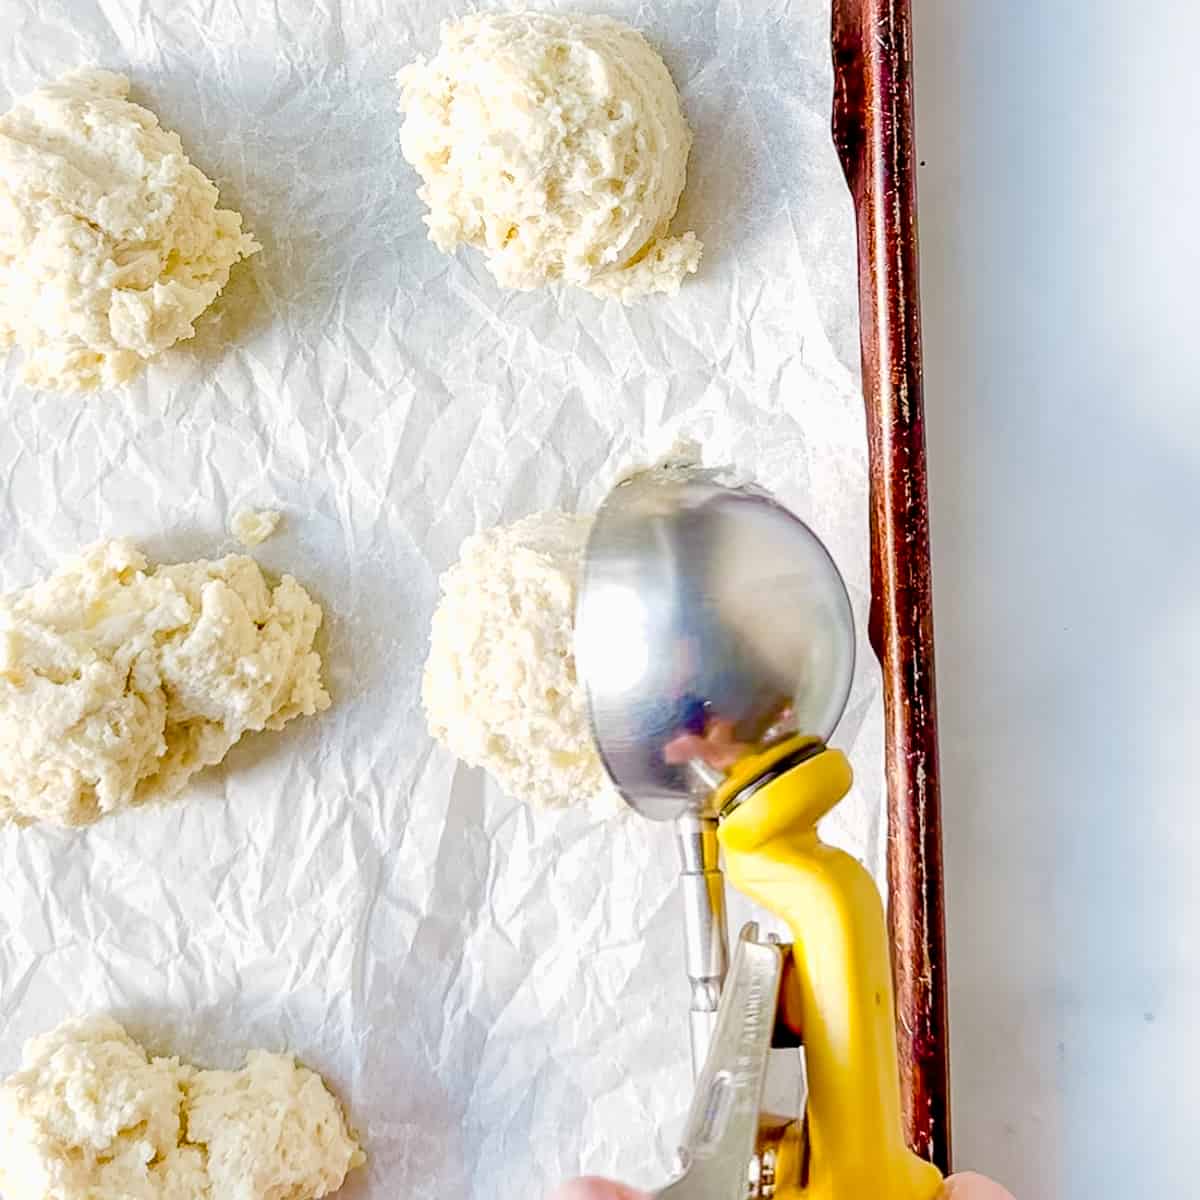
(1058, 205)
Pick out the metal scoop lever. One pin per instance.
(722, 1132)
(705, 948)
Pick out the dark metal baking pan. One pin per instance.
(872, 128)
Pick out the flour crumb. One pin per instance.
(252, 527)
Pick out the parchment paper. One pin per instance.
(497, 994)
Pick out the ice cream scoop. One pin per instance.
(710, 620)
(715, 641)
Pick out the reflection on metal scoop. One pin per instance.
(711, 621)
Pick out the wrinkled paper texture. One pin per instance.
(498, 995)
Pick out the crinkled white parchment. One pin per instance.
(497, 994)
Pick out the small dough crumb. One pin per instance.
(119, 680)
(90, 1115)
(252, 527)
(556, 144)
(500, 688)
(111, 241)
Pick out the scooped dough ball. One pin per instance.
(111, 241)
(120, 681)
(91, 1115)
(556, 144)
(500, 688)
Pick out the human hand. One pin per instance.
(591, 1188)
(970, 1186)
(957, 1187)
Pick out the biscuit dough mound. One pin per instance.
(111, 241)
(119, 681)
(91, 1115)
(555, 143)
(500, 688)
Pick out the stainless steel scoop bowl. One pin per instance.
(706, 610)
(710, 622)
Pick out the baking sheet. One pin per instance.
(497, 994)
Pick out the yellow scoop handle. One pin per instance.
(844, 1004)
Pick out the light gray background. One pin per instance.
(1059, 201)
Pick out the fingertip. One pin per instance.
(591, 1188)
(969, 1186)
